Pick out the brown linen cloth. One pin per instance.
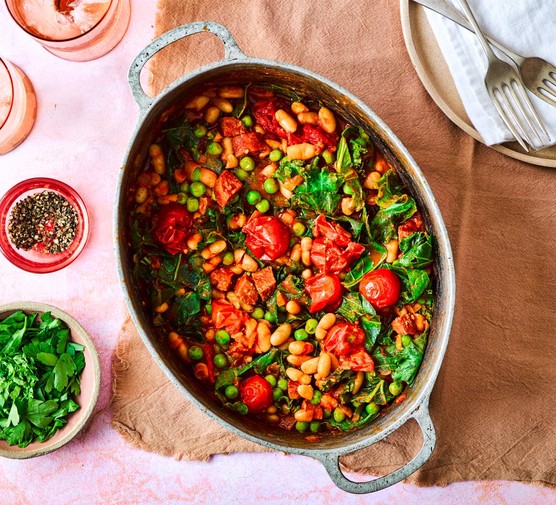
(492, 405)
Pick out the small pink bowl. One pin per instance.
(90, 384)
(34, 261)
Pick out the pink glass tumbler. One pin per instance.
(18, 106)
(77, 30)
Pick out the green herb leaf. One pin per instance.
(354, 305)
(417, 251)
(319, 191)
(372, 327)
(64, 368)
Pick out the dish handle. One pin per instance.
(331, 460)
(231, 52)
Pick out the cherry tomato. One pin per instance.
(226, 316)
(256, 393)
(344, 339)
(347, 342)
(325, 291)
(267, 237)
(172, 225)
(381, 288)
(333, 250)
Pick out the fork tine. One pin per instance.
(546, 94)
(525, 100)
(546, 89)
(515, 108)
(506, 119)
(511, 112)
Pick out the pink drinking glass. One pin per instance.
(18, 106)
(77, 30)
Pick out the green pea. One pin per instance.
(269, 317)
(247, 121)
(196, 175)
(372, 409)
(220, 361)
(182, 198)
(348, 190)
(197, 189)
(311, 326)
(328, 156)
(314, 427)
(339, 416)
(406, 340)
(258, 313)
(200, 131)
(208, 308)
(195, 353)
(184, 187)
(192, 204)
(231, 392)
(215, 149)
(270, 186)
(299, 229)
(301, 334)
(317, 395)
(326, 414)
(247, 163)
(275, 155)
(283, 384)
(271, 380)
(241, 174)
(277, 394)
(253, 197)
(395, 388)
(301, 426)
(222, 337)
(263, 206)
(228, 258)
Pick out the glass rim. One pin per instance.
(3, 64)
(58, 41)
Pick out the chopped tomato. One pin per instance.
(265, 113)
(318, 137)
(333, 232)
(325, 291)
(347, 342)
(412, 225)
(381, 288)
(226, 316)
(267, 237)
(208, 355)
(333, 250)
(172, 225)
(256, 393)
(360, 361)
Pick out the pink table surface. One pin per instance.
(86, 116)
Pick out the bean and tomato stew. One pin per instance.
(284, 260)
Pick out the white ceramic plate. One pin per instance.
(433, 71)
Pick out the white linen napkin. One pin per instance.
(528, 27)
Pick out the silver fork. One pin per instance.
(506, 90)
(538, 75)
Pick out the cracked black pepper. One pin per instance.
(45, 222)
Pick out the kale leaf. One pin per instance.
(417, 251)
